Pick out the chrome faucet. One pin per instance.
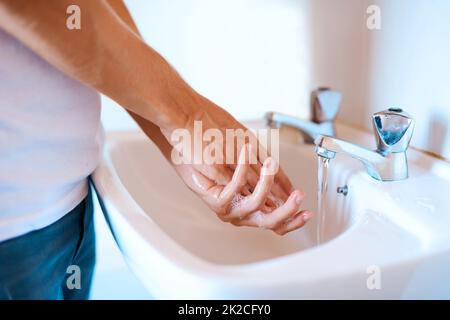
(324, 106)
(393, 131)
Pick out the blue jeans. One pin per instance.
(56, 262)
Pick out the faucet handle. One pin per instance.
(325, 104)
(393, 130)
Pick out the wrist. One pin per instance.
(183, 106)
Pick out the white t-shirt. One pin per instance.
(50, 137)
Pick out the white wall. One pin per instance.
(251, 56)
(339, 50)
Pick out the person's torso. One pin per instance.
(49, 140)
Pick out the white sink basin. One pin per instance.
(180, 249)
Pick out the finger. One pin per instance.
(275, 202)
(257, 199)
(282, 180)
(295, 223)
(252, 181)
(253, 178)
(246, 190)
(273, 219)
(239, 179)
(282, 187)
(218, 173)
(277, 191)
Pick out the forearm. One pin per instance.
(151, 130)
(105, 54)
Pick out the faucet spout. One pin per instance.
(393, 131)
(383, 167)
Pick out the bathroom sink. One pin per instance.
(382, 239)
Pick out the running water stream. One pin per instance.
(322, 186)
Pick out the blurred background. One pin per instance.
(252, 56)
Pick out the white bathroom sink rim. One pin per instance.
(198, 268)
(190, 263)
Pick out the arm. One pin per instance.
(151, 130)
(137, 77)
(109, 55)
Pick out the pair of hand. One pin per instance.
(241, 191)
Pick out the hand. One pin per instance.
(231, 205)
(243, 193)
